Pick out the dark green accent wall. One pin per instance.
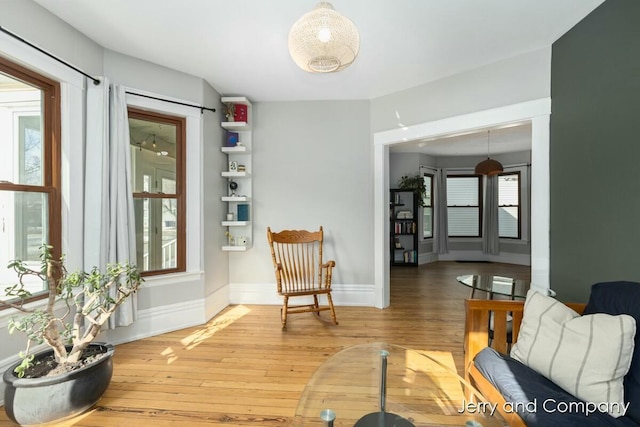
(595, 151)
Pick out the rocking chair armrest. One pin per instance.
(328, 264)
(326, 273)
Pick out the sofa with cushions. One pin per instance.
(568, 364)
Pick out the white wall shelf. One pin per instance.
(236, 150)
(241, 154)
(235, 174)
(235, 198)
(236, 125)
(236, 248)
(235, 223)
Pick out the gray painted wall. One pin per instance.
(312, 166)
(34, 23)
(594, 151)
(522, 78)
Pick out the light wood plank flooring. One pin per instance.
(240, 369)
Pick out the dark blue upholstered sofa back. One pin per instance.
(622, 298)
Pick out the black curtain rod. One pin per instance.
(95, 80)
(39, 49)
(173, 102)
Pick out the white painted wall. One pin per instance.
(312, 166)
(34, 23)
(522, 78)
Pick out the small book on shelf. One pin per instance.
(240, 113)
(231, 139)
(243, 212)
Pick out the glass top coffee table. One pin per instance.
(385, 385)
(497, 285)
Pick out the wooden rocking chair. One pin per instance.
(297, 260)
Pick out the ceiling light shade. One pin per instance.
(489, 167)
(323, 41)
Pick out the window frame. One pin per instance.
(480, 205)
(181, 180)
(51, 110)
(519, 206)
(430, 206)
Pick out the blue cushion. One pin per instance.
(537, 400)
(622, 298)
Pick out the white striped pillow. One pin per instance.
(587, 356)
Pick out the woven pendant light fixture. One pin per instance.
(490, 166)
(323, 41)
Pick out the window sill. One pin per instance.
(171, 279)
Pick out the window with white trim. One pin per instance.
(509, 205)
(427, 207)
(464, 205)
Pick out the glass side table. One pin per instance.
(385, 385)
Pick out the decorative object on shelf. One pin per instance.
(490, 166)
(243, 212)
(229, 111)
(233, 166)
(230, 239)
(233, 186)
(404, 215)
(230, 216)
(231, 139)
(242, 168)
(415, 183)
(240, 113)
(397, 243)
(323, 40)
(241, 240)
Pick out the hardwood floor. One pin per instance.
(240, 369)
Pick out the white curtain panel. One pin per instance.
(440, 216)
(490, 238)
(109, 216)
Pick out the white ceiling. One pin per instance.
(509, 139)
(240, 46)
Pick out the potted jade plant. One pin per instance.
(74, 372)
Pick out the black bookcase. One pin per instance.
(403, 211)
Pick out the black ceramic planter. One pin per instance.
(30, 401)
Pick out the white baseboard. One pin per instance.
(216, 302)
(508, 258)
(426, 258)
(158, 320)
(266, 294)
